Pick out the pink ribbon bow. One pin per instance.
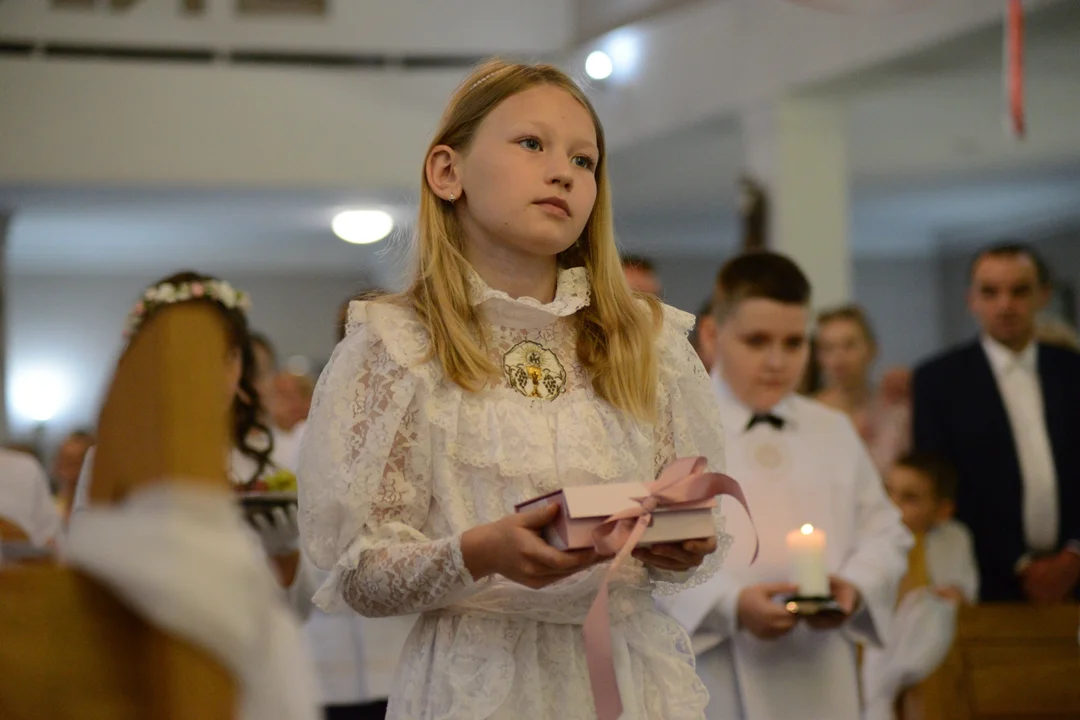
(682, 482)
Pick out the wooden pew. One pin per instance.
(15, 546)
(68, 647)
(1009, 662)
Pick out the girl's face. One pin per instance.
(528, 181)
(845, 353)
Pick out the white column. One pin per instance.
(796, 147)
(4, 225)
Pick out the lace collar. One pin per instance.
(571, 294)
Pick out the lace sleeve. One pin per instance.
(365, 484)
(689, 425)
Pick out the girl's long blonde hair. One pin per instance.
(616, 335)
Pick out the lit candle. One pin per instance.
(806, 547)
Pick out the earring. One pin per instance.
(451, 198)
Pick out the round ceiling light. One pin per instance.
(598, 65)
(362, 227)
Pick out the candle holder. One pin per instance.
(803, 606)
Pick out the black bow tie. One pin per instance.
(774, 420)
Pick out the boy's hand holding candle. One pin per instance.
(846, 596)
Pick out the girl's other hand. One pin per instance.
(676, 557)
(512, 547)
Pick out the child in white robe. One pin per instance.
(942, 573)
(798, 462)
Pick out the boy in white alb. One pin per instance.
(799, 462)
(942, 574)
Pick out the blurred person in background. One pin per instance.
(1004, 409)
(28, 514)
(292, 400)
(67, 464)
(846, 350)
(285, 450)
(701, 337)
(1057, 332)
(641, 274)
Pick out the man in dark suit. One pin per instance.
(1005, 410)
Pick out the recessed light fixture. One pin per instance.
(362, 227)
(598, 65)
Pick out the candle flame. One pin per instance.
(807, 529)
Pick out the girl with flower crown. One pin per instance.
(517, 362)
(251, 443)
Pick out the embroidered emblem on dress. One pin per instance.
(534, 371)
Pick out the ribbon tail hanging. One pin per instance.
(683, 481)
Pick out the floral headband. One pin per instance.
(168, 293)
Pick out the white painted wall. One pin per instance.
(902, 297)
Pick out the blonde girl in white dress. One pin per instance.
(516, 363)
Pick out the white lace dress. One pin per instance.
(398, 462)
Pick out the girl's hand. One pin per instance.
(677, 557)
(512, 547)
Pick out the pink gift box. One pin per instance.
(585, 507)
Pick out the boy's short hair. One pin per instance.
(761, 274)
(939, 471)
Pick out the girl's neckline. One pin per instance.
(572, 293)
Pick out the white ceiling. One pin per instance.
(927, 152)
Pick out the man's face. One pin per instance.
(1005, 297)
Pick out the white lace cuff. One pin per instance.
(399, 579)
